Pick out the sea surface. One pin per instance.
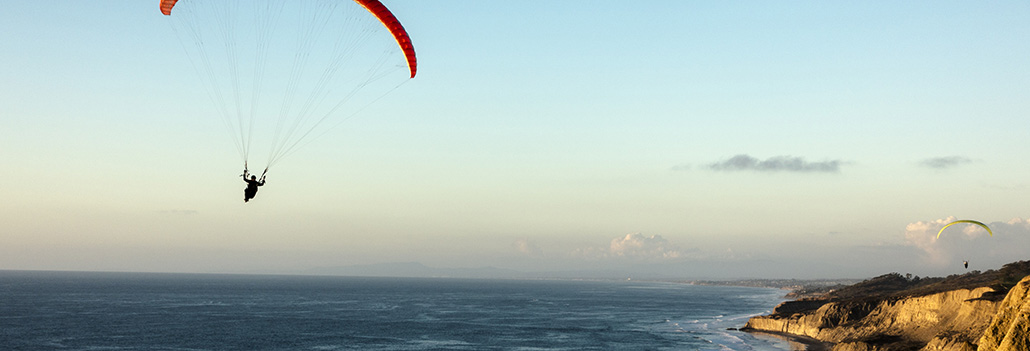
(147, 311)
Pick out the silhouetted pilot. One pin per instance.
(965, 263)
(252, 186)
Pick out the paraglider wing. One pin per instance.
(343, 54)
(377, 9)
(166, 6)
(965, 221)
(384, 15)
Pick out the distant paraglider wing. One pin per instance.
(965, 221)
(377, 9)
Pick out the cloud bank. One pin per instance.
(969, 242)
(744, 162)
(944, 162)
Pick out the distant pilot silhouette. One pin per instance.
(252, 186)
(965, 263)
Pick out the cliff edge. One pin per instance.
(1010, 328)
(987, 311)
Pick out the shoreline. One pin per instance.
(797, 342)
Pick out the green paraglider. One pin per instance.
(965, 221)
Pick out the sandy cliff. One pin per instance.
(957, 320)
(1010, 328)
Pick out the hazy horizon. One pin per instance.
(756, 140)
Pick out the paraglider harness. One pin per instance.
(251, 190)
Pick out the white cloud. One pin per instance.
(923, 235)
(526, 247)
(638, 245)
(634, 246)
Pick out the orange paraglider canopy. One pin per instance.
(377, 9)
(166, 6)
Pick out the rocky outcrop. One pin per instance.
(1010, 328)
(947, 321)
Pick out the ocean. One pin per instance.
(149, 311)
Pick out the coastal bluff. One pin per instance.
(987, 311)
(1010, 329)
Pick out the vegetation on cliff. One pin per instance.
(894, 286)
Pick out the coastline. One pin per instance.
(796, 342)
(798, 290)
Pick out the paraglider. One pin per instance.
(252, 185)
(284, 72)
(965, 221)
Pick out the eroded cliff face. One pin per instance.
(1010, 328)
(948, 321)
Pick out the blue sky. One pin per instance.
(788, 139)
